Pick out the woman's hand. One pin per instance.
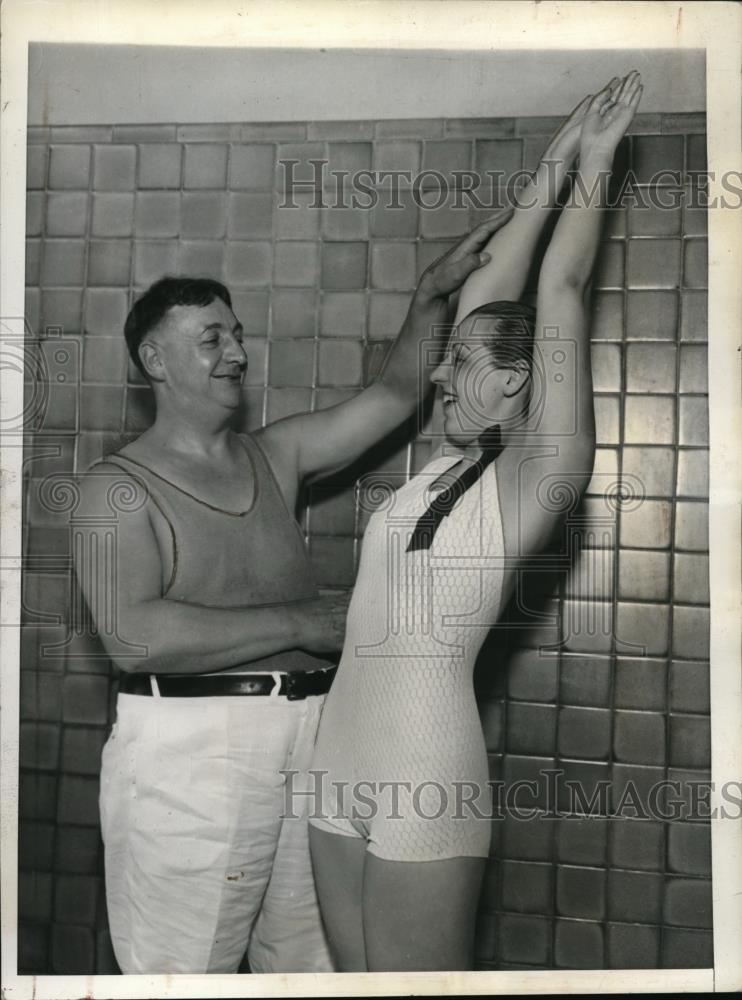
(565, 142)
(608, 116)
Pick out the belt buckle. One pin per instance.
(276, 689)
(292, 694)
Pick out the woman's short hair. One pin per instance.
(151, 307)
(509, 333)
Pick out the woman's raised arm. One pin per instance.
(512, 248)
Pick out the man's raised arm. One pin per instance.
(319, 443)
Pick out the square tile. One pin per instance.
(159, 165)
(652, 315)
(252, 165)
(656, 218)
(69, 167)
(113, 214)
(691, 526)
(582, 839)
(689, 686)
(37, 158)
(530, 728)
(639, 738)
(637, 844)
(647, 526)
(532, 676)
(689, 848)
(642, 629)
(607, 316)
(584, 733)
(524, 938)
(581, 892)
(203, 216)
(635, 896)
(66, 213)
(527, 779)
(348, 157)
(63, 262)
(609, 266)
(658, 159)
(587, 626)
(344, 223)
(205, 165)
(649, 419)
(153, 260)
(694, 421)
(252, 309)
(332, 561)
(400, 155)
(688, 902)
(687, 949)
(299, 220)
(344, 265)
(644, 575)
(294, 313)
(695, 266)
(157, 213)
(32, 275)
(694, 368)
(295, 264)
(650, 470)
(250, 216)
(295, 169)
(694, 323)
(640, 683)
(697, 161)
(585, 680)
(607, 419)
(105, 311)
(654, 263)
(291, 363)
(650, 368)
(395, 218)
(578, 944)
(343, 314)
(393, 265)
(104, 360)
(632, 946)
(606, 365)
(693, 472)
(446, 158)
(444, 218)
(114, 168)
(248, 265)
(526, 887)
(35, 214)
(690, 633)
(101, 407)
(204, 258)
(387, 312)
(340, 362)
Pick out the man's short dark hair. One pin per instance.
(151, 307)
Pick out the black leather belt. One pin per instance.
(294, 686)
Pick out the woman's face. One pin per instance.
(472, 385)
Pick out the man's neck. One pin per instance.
(174, 433)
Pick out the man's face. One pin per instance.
(202, 356)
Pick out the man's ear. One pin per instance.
(517, 378)
(151, 358)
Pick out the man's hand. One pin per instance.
(321, 623)
(449, 272)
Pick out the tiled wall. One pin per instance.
(111, 209)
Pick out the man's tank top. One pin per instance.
(231, 559)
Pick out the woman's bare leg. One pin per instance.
(338, 864)
(420, 915)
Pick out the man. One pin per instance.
(220, 633)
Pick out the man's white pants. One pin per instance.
(200, 866)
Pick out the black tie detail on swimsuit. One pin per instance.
(426, 527)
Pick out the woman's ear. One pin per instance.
(517, 377)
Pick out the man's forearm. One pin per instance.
(191, 638)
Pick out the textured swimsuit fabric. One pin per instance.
(402, 707)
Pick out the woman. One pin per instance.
(399, 847)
